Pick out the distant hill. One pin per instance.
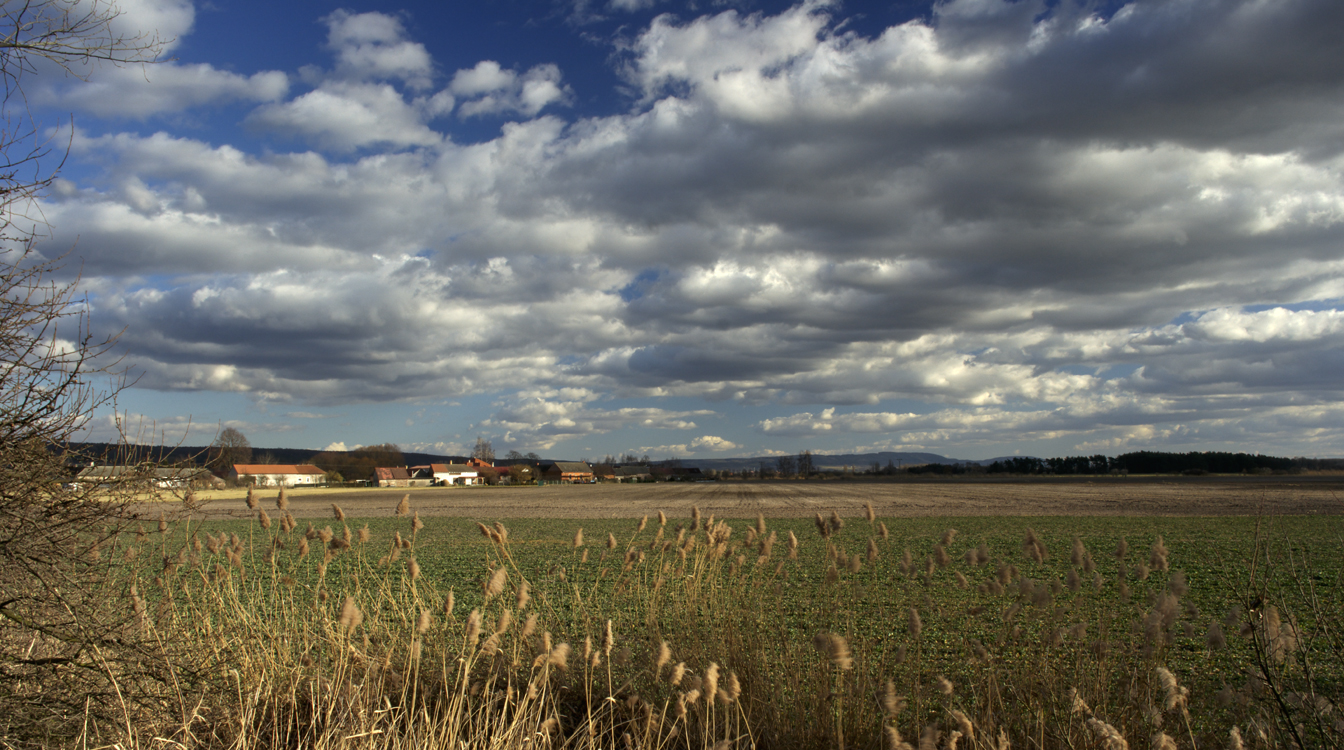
(833, 462)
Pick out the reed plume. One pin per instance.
(404, 507)
(964, 724)
(1033, 547)
(892, 703)
(1157, 557)
(351, 617)
(837, 523)
(835, 648)
(734, 689)
(473, 627)
(710, 682)
(664, 656)
(1110, 736)
(1177, 696)
(559, 656)
(495, 584)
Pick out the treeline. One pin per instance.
(1152, 462)
(359, 463)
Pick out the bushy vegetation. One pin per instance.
(711, 633)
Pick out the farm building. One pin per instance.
(278, 475)
(567, 472)
(392, 476)
(461, 474)
(635, 473)
(158, 478)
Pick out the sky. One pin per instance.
(578, 227)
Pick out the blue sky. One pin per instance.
(972, 227)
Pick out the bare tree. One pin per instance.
(230, 447)
(71, 621)
(484, 450)
(805, 464)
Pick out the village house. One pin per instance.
(278, 475)
(615, 473)
(567, 472)
(458, 474)
(402, 476)
(633, 473)
(392, 476)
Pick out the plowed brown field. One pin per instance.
(1184, 496)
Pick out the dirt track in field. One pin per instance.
(1194, 496)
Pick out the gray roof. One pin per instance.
(572, 467)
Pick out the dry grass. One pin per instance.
(683, 635)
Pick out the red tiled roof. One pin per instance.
(277, 469)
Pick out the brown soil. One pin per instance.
(1169, 496)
